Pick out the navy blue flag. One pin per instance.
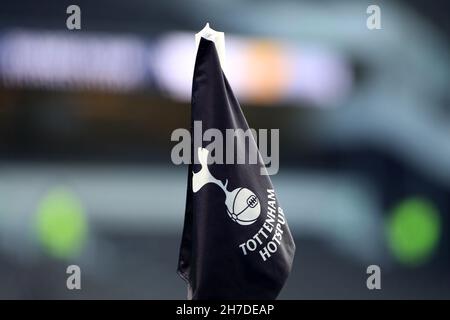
(236, 242)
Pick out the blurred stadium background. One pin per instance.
(86, 118)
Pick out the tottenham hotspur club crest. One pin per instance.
(242, 204)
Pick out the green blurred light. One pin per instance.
(413, 231)
(61, 223)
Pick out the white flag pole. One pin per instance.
(215, 36)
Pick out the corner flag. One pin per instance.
(236, 242)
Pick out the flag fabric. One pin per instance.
(236, 243)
